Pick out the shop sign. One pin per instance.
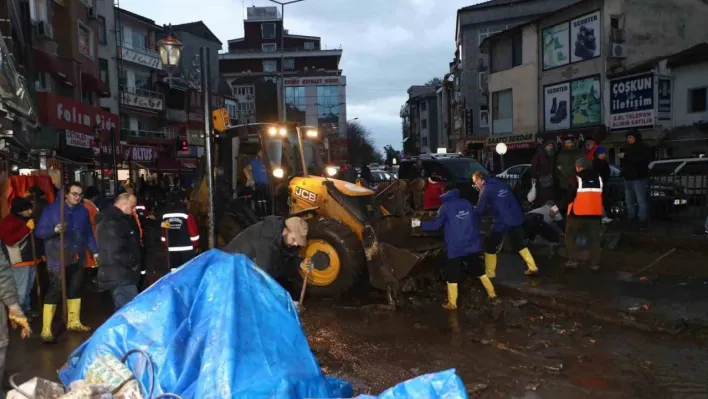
(469, 122)
(632, 102)
(559, 137)
(664, 99)
(76, 139)
(316, 81)
(150, 61)
(147, 102)
(69, 114)
(139, 154)
(513, 141)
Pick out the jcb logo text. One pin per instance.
(308, 196)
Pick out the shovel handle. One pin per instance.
(304, 286)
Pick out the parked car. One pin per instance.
(513, 172)
(690, 173)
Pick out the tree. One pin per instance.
(360, 145)
(434, 82)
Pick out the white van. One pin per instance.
(690, 173)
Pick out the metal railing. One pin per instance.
(147, 134)
(141, 50)
(142, 92)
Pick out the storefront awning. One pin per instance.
(91, 84)
(46, 63)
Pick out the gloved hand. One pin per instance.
(95, 258)
(165, 224)
(60, 228)
(18, 319)
(30, 224)
(415, 222)
(306, 265)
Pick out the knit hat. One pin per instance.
(298, 227)
(600, 150)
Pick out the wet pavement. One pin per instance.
(513, 350)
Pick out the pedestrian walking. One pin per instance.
(635, 162)
(601, 165)
(543, 173)
(584, 203)
(16, 232)
(463, 243)
(180, 234)
(565, 164)
(366, 174)
(9, 309)
(78, 236)
(119, 250)
(265, 242)
(508, 221)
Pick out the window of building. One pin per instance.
(502, 112)
(270, 66)
(245, 107)
(87, 98)
(142, 81)
(269, 47)
(423, 123)
(139, 40)
(424, 141)
(85, 39)
(103, 70)
(328, 102)
(517, 44)
(268, 30)
(43, 82)
(242, 91)
(295, 104)
(122, 77)
(289, 63)
(102, 39)
(309, 45)
(423, 106)
(697, 100)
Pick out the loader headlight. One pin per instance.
(311, 133)
(272, 131)
(283, 132)
(278, 173)
(331, 171)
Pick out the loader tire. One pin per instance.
(346, 266)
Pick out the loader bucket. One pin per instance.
(398, 253)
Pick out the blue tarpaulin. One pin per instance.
(218, 327)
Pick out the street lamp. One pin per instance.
(501, 150)
(282, 52)
(170, 49)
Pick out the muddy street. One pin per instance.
(512, 350)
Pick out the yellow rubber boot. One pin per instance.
(530, 263)
(48, 312)
(451, 297)
(488, 286)
(74, 317)
(490, 265)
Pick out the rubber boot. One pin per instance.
(74, 317)
(530, 262)
(488, 286)
(490, 265)
(47, 316)
(451, 297)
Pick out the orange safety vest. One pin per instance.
(588, 200)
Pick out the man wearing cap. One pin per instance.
(265, 241)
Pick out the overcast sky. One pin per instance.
(388, 45)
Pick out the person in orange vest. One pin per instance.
(16, 232)
(584, 202)
(89, 202)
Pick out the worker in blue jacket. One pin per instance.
(508, 221)
(463, 243)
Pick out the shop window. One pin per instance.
(85, 40)
(697, 100)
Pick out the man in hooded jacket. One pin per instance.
(543, 172)
(635, 170)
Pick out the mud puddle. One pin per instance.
(510, 350)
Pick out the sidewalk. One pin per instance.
(662, 304)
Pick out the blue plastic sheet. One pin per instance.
(442, 385)
(218, 327)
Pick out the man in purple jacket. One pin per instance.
(462, 241)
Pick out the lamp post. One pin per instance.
(170, 54)
(282, 53)
(501, 150)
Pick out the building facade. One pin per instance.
(474, 24)
(107, 54)
(422, 115)
(314, 88)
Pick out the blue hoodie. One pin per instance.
(460, 225)
(503, 206)
(78, 236)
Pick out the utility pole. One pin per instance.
(281, 86)
(208, 134)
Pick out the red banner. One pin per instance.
(69, 114)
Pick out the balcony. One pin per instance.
(141, 56)
(141, 98)
(127, 134)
